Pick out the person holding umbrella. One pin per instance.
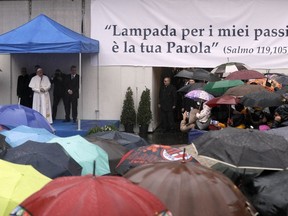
(280, 116)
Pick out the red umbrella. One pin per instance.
(151, 154)
(189, 189)
(245, 75)
(92, 195)
(224, 99)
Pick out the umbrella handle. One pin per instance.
(94, 167)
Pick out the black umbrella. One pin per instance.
(262, 99)
(268, 193)
(128, 140)
(244, 148)
(190, 87)
(197, 74)
(48, 158)
(225, 69)
(112, 148)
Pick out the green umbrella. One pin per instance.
(218, 88)
(17, 183)
(84, 152)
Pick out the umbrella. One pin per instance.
(244, 148)
(14, 115)
(128, 140)
(225, 69)
(269, 193)
(190, 189)
(21, 134)
(112, 148)
(151, 154)
(262, 99)
(189, 87)
(282, 80)
(199, 95)
(220, 87)
(50, 159)
(242, 90)
(281, 131)
(84, 153)
(223, 100)
(3, 146)
(244, 75)
(197, 74)
(89, 195)
(17, 183)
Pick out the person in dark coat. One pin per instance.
(167, 104)
(58, 90)
(280, 116)
(71, 94)
(24, 93)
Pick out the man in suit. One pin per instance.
(167, 104)
(71, 94)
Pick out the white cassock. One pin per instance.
(41, 100)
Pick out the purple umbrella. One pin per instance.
(199, 95)
(15, 115)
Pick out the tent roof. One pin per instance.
(44, 35)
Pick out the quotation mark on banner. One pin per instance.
(108, 27)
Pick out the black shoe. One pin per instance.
(66, 120)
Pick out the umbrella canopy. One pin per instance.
(15, 115)
(281, 131)
(199, 95)
(50, 159)
(220, 87)
(89, 195)
(190, 189)
(151, 154)
(244, 148)
(3, 146)
(187, 88)
(84, 153)
(282, 80)
(269, 193)
(225, 69)
(17, 183)
(197, 74)
(112, 148)
(224, 100)
(242, 90)
(21, 134)
(128, 140)
(262, 99)
(244, 75)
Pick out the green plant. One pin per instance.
(103, 128)
(128, 115)
(144, 114)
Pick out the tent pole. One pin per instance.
(80, 93)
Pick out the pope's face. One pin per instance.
(40, 72)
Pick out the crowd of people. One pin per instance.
(197, 114)
(33, 91)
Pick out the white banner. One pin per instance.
(191, 33)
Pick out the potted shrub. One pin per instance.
(128, 115)
(144, 114)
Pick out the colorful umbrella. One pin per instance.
(17, 183)
(242, 90)
(220, 87)
(223, 100)
(50, 159)
(15, 115)
(225, 69)
(112, 148)
(84, 153)
(244, 148)
(244, 75)
(21, 134)
(91, 195)
(262, 99)
(151, 154)
(199, 95)
(190, 189)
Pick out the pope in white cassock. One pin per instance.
(40, 84)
